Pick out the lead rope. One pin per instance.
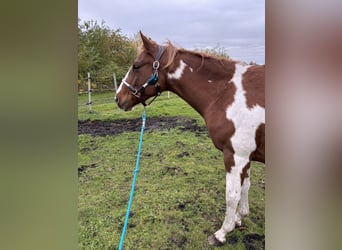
(124, 229)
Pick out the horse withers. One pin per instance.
(229, 95)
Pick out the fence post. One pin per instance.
(89, 93)
(115, 84)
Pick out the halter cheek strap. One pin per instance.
(152, 81)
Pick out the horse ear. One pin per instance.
(149, 45)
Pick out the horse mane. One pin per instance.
(172, 51)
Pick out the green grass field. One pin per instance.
(104, 108)
(180, 192)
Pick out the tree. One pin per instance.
(216, 51)
(103, 51)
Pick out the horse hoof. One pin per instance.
(214, 242)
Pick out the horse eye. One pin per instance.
(135, 67)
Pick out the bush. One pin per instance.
(102, 51)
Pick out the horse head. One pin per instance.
(145, 78)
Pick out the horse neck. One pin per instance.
(199, 80)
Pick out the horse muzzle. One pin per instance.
(124, 105)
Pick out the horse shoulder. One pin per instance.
(219, 128)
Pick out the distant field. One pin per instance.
(180, 191)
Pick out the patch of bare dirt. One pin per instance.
(104, 128)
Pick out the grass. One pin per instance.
(180, 191)
(104, 108)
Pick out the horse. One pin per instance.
(228, 94)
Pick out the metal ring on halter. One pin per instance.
(136, 93)
(155, 65)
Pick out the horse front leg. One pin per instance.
(243, 210)
(233, 196)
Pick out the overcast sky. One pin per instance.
(236, 25)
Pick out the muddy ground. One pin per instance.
(103, 128)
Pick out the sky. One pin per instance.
(238, 26)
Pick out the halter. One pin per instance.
(152, 81)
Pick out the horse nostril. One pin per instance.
(116, 99)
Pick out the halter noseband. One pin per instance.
(152, 81)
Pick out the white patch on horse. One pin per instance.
(191, 69)
(122, 83)
(210, 81)
(246, 121)
(178, 72)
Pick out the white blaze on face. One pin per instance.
(178, 72)
(125, 78)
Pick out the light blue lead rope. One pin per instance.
(124, 229)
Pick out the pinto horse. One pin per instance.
(229, 96)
